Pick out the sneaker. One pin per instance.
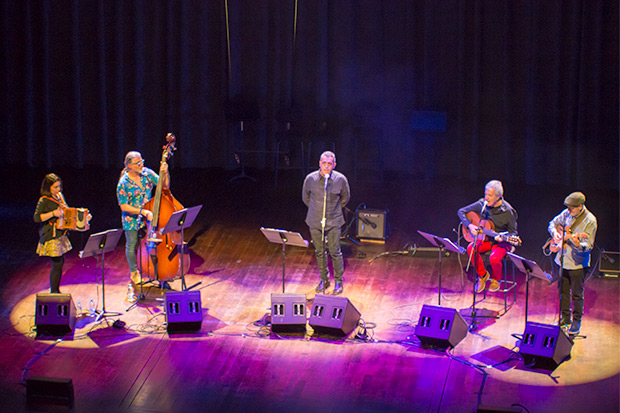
(482, 282)
(323, 285)
(574, 328)
(136, 277)
(494, 285)
(338, 289)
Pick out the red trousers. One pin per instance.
(498, 252)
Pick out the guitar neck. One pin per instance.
(489, 233)
(510, 238)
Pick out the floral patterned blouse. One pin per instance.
(129, 192)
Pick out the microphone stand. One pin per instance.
(474, 252)
(561, 273)
(323, 219)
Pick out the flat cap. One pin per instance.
(575, 199)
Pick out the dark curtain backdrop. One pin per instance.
(529, 89)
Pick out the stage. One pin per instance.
(235, 363)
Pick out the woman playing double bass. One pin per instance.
(133, 192)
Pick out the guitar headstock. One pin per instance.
(514, 240)
(511, 238)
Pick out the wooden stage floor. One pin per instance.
(234, 363)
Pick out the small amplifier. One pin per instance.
(372, 225)
(610, 264)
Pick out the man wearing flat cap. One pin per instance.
(573, 232)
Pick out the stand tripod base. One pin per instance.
(102, 314)
(478, 313)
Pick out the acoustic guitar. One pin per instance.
(487, 230)
(568, 234)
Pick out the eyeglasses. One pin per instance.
(140, 163)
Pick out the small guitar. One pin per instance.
(487, 229)
(556, 245)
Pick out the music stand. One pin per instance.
(178, 222)
(280, 236)
(528, 267)
(101, 243)
(443, 244)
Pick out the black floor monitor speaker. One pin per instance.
(183, 311)
(544, 346)
(372, 224)
(333, 315)
(288, 313)
(55, 314)
(440, 327)
(48, 390)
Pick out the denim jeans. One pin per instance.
(131, 240)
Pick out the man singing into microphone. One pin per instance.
(325, 193)
(492, 208)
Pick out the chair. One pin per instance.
(506, 285)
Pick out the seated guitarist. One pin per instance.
(490, 209)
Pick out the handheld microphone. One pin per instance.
(326, 179)
(484, 205)
(368, 222)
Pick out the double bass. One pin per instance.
(159, 255)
